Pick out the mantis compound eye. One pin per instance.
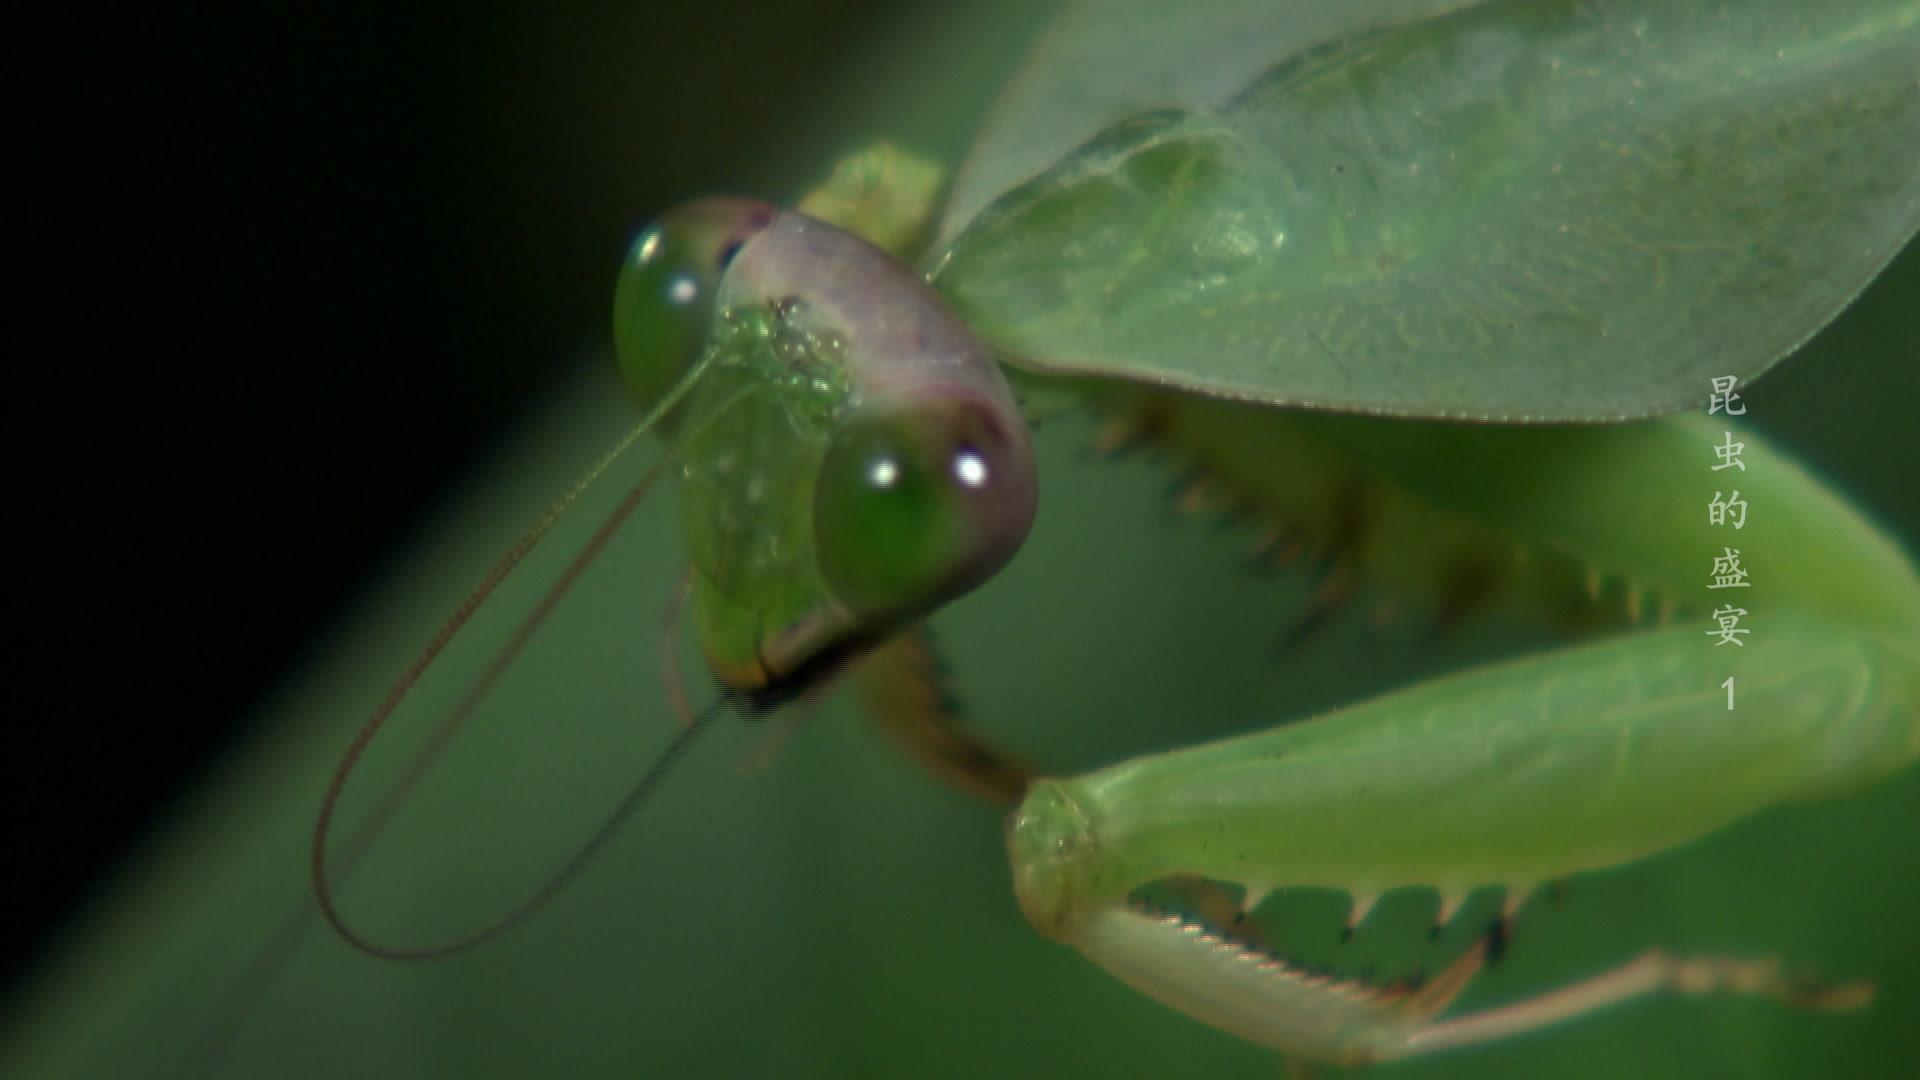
(663, 301)
(917, 503)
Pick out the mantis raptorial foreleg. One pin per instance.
(1510, 775)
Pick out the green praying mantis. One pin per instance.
(1351, 223)
(1091, 230)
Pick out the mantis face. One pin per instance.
(853, 459)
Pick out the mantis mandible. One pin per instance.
(853, 460)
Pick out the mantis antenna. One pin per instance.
(634, 799)
(326, 868)
(318, 856)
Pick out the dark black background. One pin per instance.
(289, 271)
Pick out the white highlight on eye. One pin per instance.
(683, 290)
(883, 473)
(970, 469)
(649, 245)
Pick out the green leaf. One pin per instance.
(1512, 210)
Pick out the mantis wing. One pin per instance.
(1507, 210)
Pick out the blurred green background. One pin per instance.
(839, 913)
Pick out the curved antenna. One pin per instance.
(210, 1046)
(635, 798)
(456, 718)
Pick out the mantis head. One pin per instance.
(853, 458)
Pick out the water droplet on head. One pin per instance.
(791, 345)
